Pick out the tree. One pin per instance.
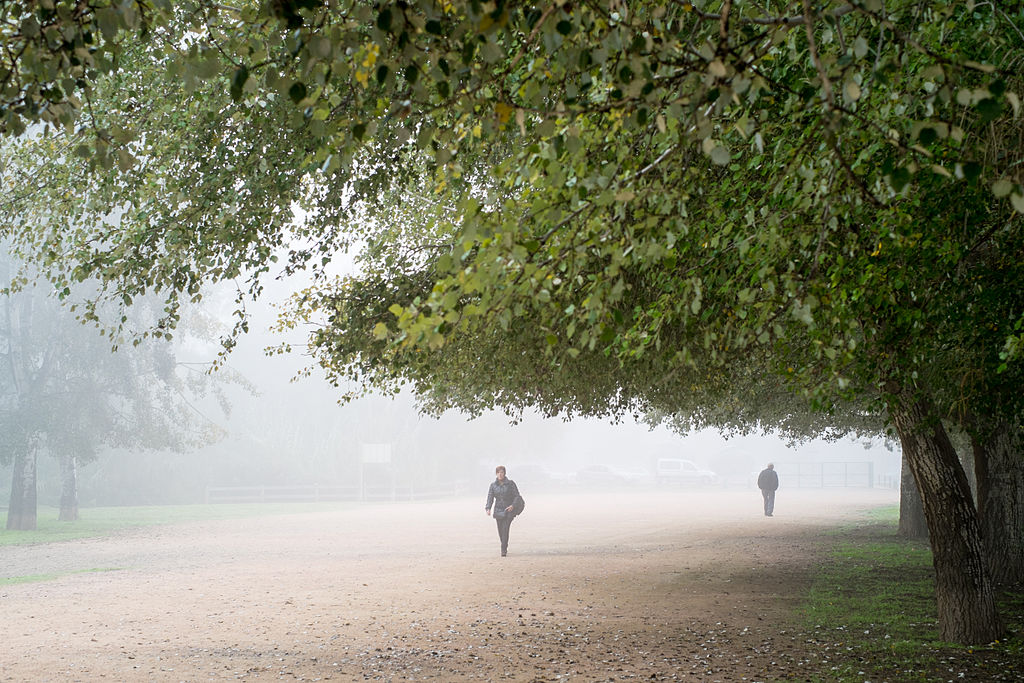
(820, 282)
(65, 393)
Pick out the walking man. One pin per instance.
(768, 482)
(502, 495)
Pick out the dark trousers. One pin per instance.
(504, 523)
(769, 501)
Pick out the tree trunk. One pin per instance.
(966, 454)
(913, 525)
(69, 488)
(999, 469)
(21, 513)
(963, 590)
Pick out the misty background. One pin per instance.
(275, 431)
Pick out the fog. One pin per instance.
(287, 433)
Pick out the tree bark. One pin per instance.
(21, 512)
(69, 488)
(913, 524)
(964, 595)
(999, 470)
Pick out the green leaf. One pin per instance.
(125, 160)
(971, 170)
(1002, 187)
(208, 67)
(30, 27)
(297, 92)
(1017, 200)
(108, 20)
(492, 52)
(989, 109)
(238, 82)
(720, 155)
(860, 47)
(320, 47)
(899, 178)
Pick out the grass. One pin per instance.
(105, 521)
(872, 610)
(32, 578)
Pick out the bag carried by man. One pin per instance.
(518, 505)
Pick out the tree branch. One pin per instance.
(775, 21)
(826, 84)
(533, 34)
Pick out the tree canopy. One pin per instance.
(563, 141)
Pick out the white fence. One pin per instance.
(827, 474)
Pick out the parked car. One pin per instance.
(599, 474)
(677, 471)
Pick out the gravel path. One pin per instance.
(653, 585)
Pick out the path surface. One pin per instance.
(650, 585)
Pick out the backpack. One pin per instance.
(518, 505)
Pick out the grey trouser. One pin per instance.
(503, 526)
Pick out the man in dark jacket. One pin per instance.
(768, 482)
(502, 495)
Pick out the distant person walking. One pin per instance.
(502, 496)
(768, 482)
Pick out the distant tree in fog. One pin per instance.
(63, 392)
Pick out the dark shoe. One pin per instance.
(504, 552)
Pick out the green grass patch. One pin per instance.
(104, 521)
(35, 578)
(889, 514)
(872, 612)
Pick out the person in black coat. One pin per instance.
(502, 495)
(768, 482)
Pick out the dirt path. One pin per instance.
(653, 585)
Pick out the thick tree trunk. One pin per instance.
(913, 525)
(68, 489)
(963, 590)
(21, 513)
(999, 469)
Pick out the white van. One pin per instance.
(674, 470)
